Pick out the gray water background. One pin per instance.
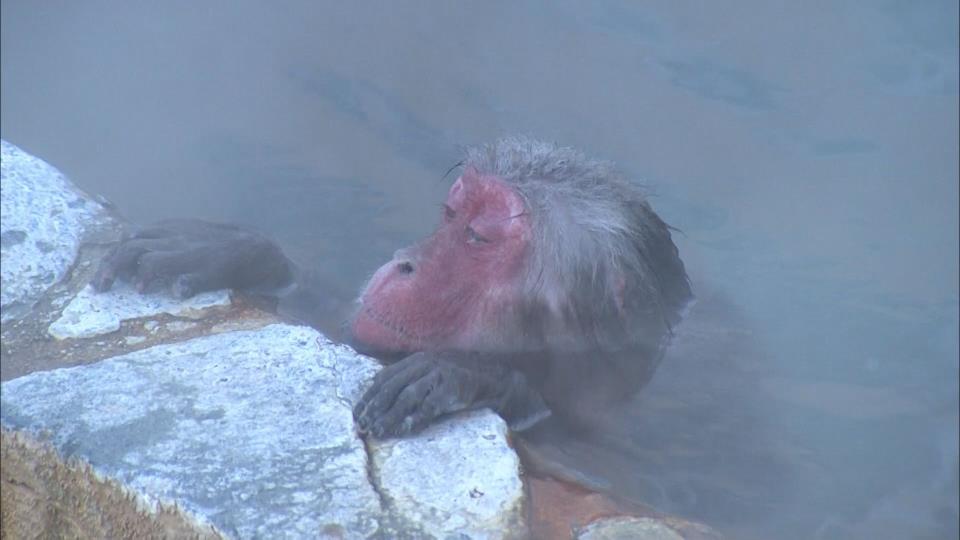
(807, 150)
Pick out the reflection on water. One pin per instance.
(808, 154)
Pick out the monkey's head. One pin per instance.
(539, 248)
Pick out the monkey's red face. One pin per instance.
(444, 292)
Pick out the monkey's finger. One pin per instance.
(412, 402)
(156, 270)
(105, 275)
(167, 264)
(395, 373)
(121, 262)
(439, 401)
(386, 386)
(187, 285)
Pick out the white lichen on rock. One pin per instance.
(459, 477)
(91, 313)
(42, 219)
(628, 528)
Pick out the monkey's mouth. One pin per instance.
(377, 334)
(398, 328)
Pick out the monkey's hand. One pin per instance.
(192, 256)
(413, 393)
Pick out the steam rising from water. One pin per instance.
(809, 154)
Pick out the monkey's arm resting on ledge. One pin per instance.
(413, 393)
(190, 256)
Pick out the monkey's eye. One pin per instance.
(449, 213)
(474, 238)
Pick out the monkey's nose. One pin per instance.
(404, 261)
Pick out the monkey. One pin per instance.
(549, 290)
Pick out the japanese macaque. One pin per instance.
(549, 289)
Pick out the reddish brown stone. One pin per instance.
(558, 508)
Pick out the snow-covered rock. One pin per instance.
(455, 478)
(43, 217)
(252, 431)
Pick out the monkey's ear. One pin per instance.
(468, 177)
